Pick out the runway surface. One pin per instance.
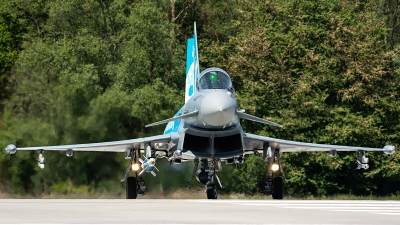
(106, 211)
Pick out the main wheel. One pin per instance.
(278, 188)
(131, 188)
(212, 192)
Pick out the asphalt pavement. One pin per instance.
(166, 211)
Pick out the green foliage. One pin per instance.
(7, 53)
(65, 188)
(90, 71)
(249, 178)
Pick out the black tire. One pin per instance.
(212, 192)
(131, 188)
(278, 188)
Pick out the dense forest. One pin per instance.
(79, 71)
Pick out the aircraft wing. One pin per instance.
(157, 142)
(252, 141)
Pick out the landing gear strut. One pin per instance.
(214, 166)
(196, 165)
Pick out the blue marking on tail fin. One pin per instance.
(192, 66)
(192, 73)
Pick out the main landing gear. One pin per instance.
(134, 185)
(274, 183)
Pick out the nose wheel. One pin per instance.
(212, 192)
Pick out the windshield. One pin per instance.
(215, 80)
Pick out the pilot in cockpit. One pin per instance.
(215, 80)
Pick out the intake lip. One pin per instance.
(217, 108)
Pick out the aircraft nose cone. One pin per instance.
(217, 108)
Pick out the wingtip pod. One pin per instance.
(11, 149)
(389, 149)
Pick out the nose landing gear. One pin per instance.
(214, 166)
(206, 176)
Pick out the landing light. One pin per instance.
(135, 167)
(275, 167)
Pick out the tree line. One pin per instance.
(99, 70)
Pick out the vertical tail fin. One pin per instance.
(192, 66)
(192, 73)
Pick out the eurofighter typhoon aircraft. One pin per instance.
(205, 130)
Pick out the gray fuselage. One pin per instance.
(215, 131)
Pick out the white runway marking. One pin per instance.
(374, 207)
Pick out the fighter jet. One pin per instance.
(205, 130)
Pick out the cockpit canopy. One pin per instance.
(214, 78)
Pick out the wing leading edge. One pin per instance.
(113, 146)
(253, 141)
